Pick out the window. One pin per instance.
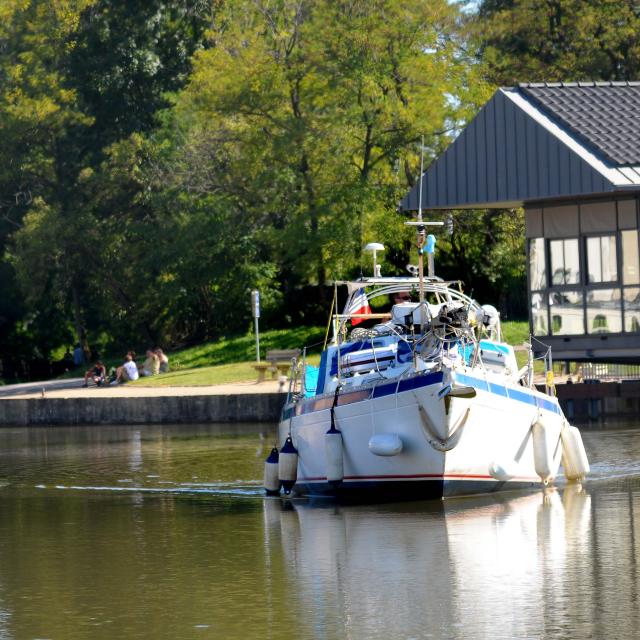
(630, 271)
(567, 315)
(537, 267)
(602, 264)
(632, 310)
(604, 311)
(565, 261)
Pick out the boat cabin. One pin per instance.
(569, 154)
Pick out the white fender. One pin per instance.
(385, 444)
(271, 480)
(333, 456)
(574, 456)
(288, 465)
(541, 456)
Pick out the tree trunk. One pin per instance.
(81, 332)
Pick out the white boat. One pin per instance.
(430, 403)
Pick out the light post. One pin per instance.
(255, 310)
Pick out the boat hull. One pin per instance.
(452, 446)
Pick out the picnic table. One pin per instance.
(277, 363)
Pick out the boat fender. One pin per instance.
(574, 456)
(385, 444)
(288, 465)
(333, 456)
(541, 456)
(271, 480)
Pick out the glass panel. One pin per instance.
(609, 259)
(567, 315)
(594, 269)
(537, 268)
(604, 311)
(632, 310)
(556, 250)
(571, 261)
(630, 270)
(602, 259)
(565, 261)
(539, 315)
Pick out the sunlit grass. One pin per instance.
(227, 361)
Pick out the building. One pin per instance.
(569, 153)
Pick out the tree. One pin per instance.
(559, 40)
(79, 75)
(307, 115)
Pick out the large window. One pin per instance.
(602, 259)
(604, 311)
(567, 313)
(564, 261)
(589, 283)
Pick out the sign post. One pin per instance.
(255, 309)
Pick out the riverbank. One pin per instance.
(68, 403)
(48, 403)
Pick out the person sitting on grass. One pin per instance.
(164, 361)
(97, 374)
(151, 366)
(128, 371)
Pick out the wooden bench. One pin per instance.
(278, 363)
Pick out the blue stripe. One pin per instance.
(513, 394)
(417, 382)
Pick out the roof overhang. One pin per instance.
(511, 153)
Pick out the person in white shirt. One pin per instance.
(128, 371)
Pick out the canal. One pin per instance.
(163, 532)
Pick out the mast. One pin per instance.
(421, 238)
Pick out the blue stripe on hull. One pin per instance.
(417, 382)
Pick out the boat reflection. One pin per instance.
(435, 569)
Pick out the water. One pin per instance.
(162, 532)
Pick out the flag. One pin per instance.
(359, 304)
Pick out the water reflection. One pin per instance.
(523, 567)
(189, 548)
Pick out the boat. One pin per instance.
(429, 402)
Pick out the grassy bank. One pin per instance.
(230, 360)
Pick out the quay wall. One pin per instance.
(581, 402)
(599, 400)
(257, 407)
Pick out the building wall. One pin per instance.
(584, 277)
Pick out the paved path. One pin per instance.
(72, 388)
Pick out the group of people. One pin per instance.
(156, 362)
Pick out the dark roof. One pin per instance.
(539, 142)
(604, 115)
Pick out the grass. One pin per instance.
(230, 360)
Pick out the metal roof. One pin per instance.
(604, 115)
(537, 142)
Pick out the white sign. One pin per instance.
(255, 303)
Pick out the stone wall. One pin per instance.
(258, 407)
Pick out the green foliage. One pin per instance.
(162, 159)
(486, 251)
(559, 40)
(313, 111)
